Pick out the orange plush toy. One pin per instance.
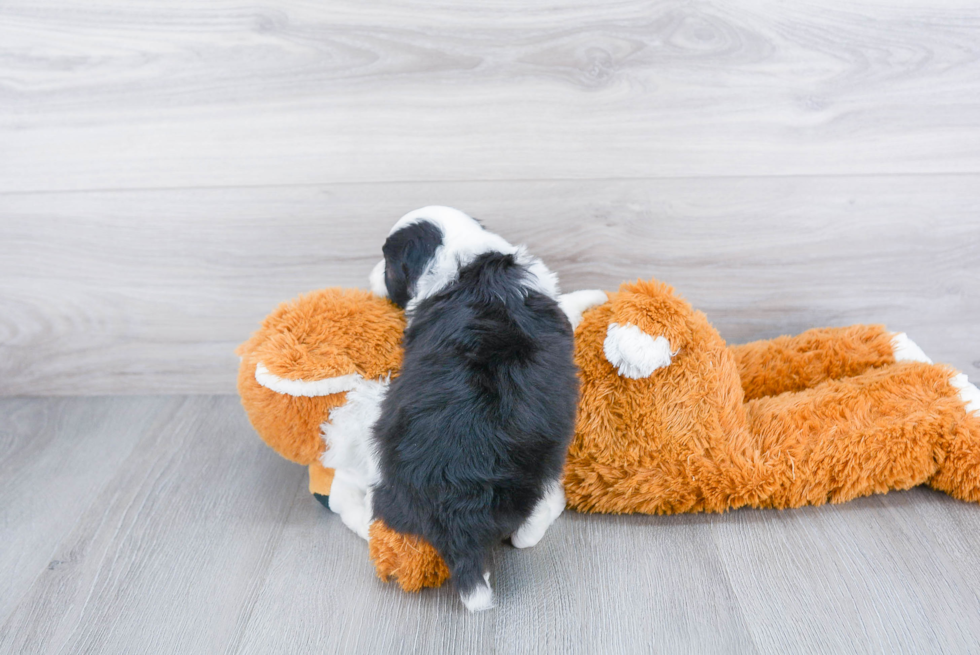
(670, 418)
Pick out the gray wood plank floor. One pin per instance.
(178, 531)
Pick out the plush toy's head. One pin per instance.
(306, 356)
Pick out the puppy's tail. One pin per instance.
(472, 581)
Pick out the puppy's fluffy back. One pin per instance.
(480, 417)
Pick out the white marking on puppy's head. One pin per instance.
(427, 247)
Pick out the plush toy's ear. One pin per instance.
(649, 326)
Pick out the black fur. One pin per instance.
(480, 418)
(407, 252)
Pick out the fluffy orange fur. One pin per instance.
(825, 416)
(408, 559)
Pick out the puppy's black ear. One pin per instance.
(407, 253)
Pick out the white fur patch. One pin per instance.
(542, 279)
(906, 350)
(350, 450)
(968, 392)
(324, 387)
(377, 279)
(480, 598)
(576, 303)
(549, 508)
(463, 240)
(351, 502)
(634, 353)
(347, 434)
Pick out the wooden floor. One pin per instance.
(162, 524)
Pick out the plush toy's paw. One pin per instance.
(906, 350)
(411, 561)
(968, 392)
(549, 508)
(634, 353)
(576, 303)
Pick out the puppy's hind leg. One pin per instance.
(479, 596)
(545, 512)
(465, 541)
(471, 578)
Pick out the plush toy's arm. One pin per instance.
(648, 329)
(576, 303)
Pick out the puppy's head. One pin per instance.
(425, 250)
(408, 251)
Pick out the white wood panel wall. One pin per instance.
(170, 171)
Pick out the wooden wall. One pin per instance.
(170, 171)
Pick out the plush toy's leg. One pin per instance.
(549, 508)
(769, 368)
(890, 428)
(349, 500)
(320, 480)
(959, 472)
(410, 560)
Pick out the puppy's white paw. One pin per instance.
(528, 535)
(969, 393)
(556, 502)
(906, 350)
(549, 508)
(481, 597)
(576, 303)
(355, 518)
(634, 353)
(349, 502)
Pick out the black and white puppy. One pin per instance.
(473, 433)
